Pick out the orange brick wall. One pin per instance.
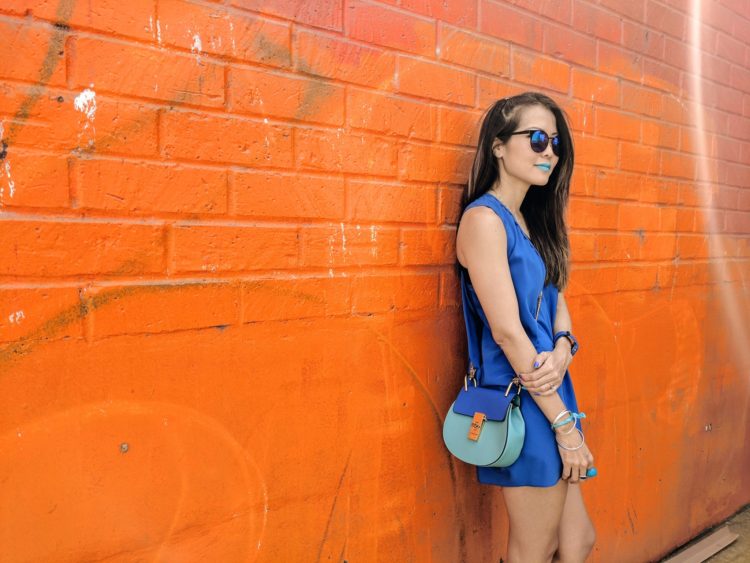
(229, 324)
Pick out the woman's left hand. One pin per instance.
(546, 378)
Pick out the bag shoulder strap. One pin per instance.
(472, 320)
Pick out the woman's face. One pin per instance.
(518, 161)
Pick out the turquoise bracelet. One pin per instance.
(573, 416)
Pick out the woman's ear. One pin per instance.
(497, 148)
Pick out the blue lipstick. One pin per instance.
(545, 167)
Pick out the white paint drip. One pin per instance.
(374, 240)
(16, 318)
(197, 46)
(343, 240)
(85, 102)
(158, 32)
(234, 45)
(11, 183)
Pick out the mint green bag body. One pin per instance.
(484, 425)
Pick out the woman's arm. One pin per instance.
(481, 246)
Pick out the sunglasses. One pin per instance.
(539, 140)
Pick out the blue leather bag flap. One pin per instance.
(492, 402)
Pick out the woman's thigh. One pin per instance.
(535, 514)
(577, 535)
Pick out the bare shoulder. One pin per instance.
(480, 231)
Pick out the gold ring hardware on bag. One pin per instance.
(470, 376)
(514, 381)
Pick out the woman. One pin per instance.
(512, 246)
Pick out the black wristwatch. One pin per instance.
(572, 339)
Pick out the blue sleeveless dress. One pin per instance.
(539, 463)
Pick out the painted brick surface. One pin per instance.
(229, 315)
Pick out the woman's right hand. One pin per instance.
(575, 462)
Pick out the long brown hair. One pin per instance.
(543, 208)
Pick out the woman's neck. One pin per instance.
(509, 197)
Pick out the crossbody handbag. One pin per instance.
(484, 425)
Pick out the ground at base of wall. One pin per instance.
(736, 552)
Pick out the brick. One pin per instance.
(584, 180)
(386, 113)
(718, 16)
(727, 198)
(641, 39)
(203, 248)
(639, 158)
(641, 101)
(569, 45)
(333, 58)
(327, 14)
(743, 200)
(660, 134)
(370, 201)
(583, 247)
(201, 137)
(617, 247)
(558, 10)
(436, 81)
(337, 152)
(596, 22)
(616, 61)
(737, 174)
(617, 125)
(380, 294)
(428, 246)
(718, 69)
(580, 115)
(634, 9)
(467, 49)
(677, 165)
(298, 298)
(234, 35)
(739, 127)
(348, 245)
(596, 151)
(661, 76)
(633, 217)
(430, 163)
(729, 48)
(616, 184)
(153, 73)
(666, 19)
(31, 314)
(50, 248)
(55, 124)
(673, 110)
(592, 280)
(692, 246)
(265, 93)
(38, 53)
(641, 277)
(450, 205)
(593, 87)
(586, 214)
(384, 26)
(541, 71)
(659, 246)
(450, 291)
(457, 12)
(162, 307)
(491, 90)
(143, 188)
(685, 221)
(459, 127)
(511, 24)
(133, 19)
(38, 180)
(677, 53)
(271, 194)
(657, 190)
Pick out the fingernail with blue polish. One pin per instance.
(536, 364)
